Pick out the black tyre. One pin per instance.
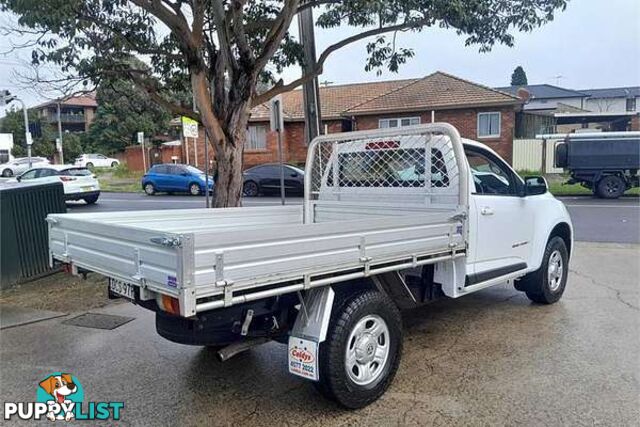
(361, 354)
(91, 199)
(546, 285)
(250, 189)
(114, 164)
(149, 189)
(194, 189)
(89, 165)
(7, 173)
(611, 187)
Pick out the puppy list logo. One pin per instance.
(60, 397)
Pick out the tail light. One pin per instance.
(169, 304)
(67, 178)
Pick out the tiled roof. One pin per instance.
(86, 100)
(544, 91)
(334, 99)
(614, 92)
(437, 90)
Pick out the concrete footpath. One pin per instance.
(492, 358)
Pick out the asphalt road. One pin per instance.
(594, 220)
(491, 358)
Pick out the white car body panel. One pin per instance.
(74, 186)
(97, 160)
(21, 164)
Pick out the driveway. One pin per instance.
(491, 358)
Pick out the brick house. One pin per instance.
(479, 113)
(76, 113)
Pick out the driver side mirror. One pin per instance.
(18, 178)
(534, 185)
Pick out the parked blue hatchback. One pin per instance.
(175, 178)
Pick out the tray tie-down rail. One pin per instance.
(367, 268)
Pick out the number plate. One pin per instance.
(303, 358)
(121, 289)
(89, 188)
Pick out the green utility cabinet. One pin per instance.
(24, 248)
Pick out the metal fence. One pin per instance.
(528, 155)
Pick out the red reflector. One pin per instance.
(382, 145)
(170, 304)
(67, 178)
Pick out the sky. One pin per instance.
(592, 44)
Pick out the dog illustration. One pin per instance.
(59, 386)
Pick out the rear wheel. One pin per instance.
(611, 187)
(91, 199)
(89, 165)
(149, 189)
(250, 189)
(361, 354)
(7, 173)
(194, 189)
(546, 285)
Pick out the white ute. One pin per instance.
(392, 219)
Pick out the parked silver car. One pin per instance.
(21, 164)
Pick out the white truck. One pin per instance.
(391, 219)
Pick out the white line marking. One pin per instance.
(601, 206)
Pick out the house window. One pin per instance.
(256, 138)
(631, 104)
(398, 122)
(488, 125)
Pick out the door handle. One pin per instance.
(486, 211)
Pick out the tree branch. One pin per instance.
(277, 32)
(280, 87)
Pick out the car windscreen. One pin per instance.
(76, 172)
(193, 170)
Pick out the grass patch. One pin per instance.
(119, 179)
(560, 189)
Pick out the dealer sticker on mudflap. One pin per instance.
(303, 358)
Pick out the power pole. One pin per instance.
(310, 90)
(60, 134)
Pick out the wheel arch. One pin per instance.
(564, 231)
(562, 228)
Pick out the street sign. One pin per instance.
(275, 114)
(140, 137)
(29, 138)
(189, 127)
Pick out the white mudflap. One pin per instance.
(303, 358)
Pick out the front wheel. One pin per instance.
(250, 189)
(546, 285)
(361, 354)
(194, 189)
(149, 189)
(114, 164)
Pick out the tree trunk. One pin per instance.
(228, 185)
(227, 130)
